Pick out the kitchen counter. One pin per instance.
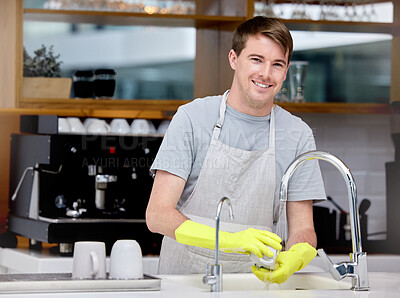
(383, 284)
(21, 260)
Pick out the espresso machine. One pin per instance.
(68, 187)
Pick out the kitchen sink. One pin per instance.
(249, 282)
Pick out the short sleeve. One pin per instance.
(175, 154)
(306, 182)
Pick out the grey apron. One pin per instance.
(247, 178)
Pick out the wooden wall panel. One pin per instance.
(223, 7)
(206, 63)
(395, 72)
(213, 74)
(10, 52)
(225, 70)
(9, 123)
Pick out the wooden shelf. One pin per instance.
(337, 3)
(337, 108)
(162, 109)
(340, 26)
(197, 21)
(150, 109)
(128, 18)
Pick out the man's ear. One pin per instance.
(232, 59)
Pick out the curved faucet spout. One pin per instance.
(217, 218)
(213, 275)
(357, 268)
(351, 188)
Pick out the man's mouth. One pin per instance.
(262, 85)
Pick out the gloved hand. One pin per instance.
(287, 263)
(250, 240)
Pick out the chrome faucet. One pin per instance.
(213, 277)
(357, 267)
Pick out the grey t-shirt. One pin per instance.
(188, 137)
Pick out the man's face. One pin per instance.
(260, 70)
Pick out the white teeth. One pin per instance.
(261, 85)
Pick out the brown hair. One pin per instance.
(270, 27)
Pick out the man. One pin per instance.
(237, 145)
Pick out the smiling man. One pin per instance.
(260, 70)
(237, 145)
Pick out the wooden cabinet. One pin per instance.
(214, 21)
(213, 26)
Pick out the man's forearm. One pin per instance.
(161, 214)
(307, 235)
(165, 222)
(300, 223)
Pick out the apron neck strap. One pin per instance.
(220, 122)
(272, 129)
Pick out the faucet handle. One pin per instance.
(329, 265)
(209, 278)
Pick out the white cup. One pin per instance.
(120, 126)
(76, 125)
(89, 261)
(63, 126)
(140, 127)
(162, 128)
(87, 122)
(152, 128)
(266, 262)
(98, 126)
(126, 260)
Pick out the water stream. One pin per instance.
(267, 284)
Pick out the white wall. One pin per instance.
(363, 143)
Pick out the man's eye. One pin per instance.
(256, 59)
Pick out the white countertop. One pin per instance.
(18, 260)
(382, 284)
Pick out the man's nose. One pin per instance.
(265, 71)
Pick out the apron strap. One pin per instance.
(271, 141)
(220, 121)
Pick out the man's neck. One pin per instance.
(240, 105)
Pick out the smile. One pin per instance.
(261, 85)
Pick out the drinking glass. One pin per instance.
(283, 94)
(297, 74)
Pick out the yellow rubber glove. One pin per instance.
(250, 240)
(287, 263)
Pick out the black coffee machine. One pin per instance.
(67, 187)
